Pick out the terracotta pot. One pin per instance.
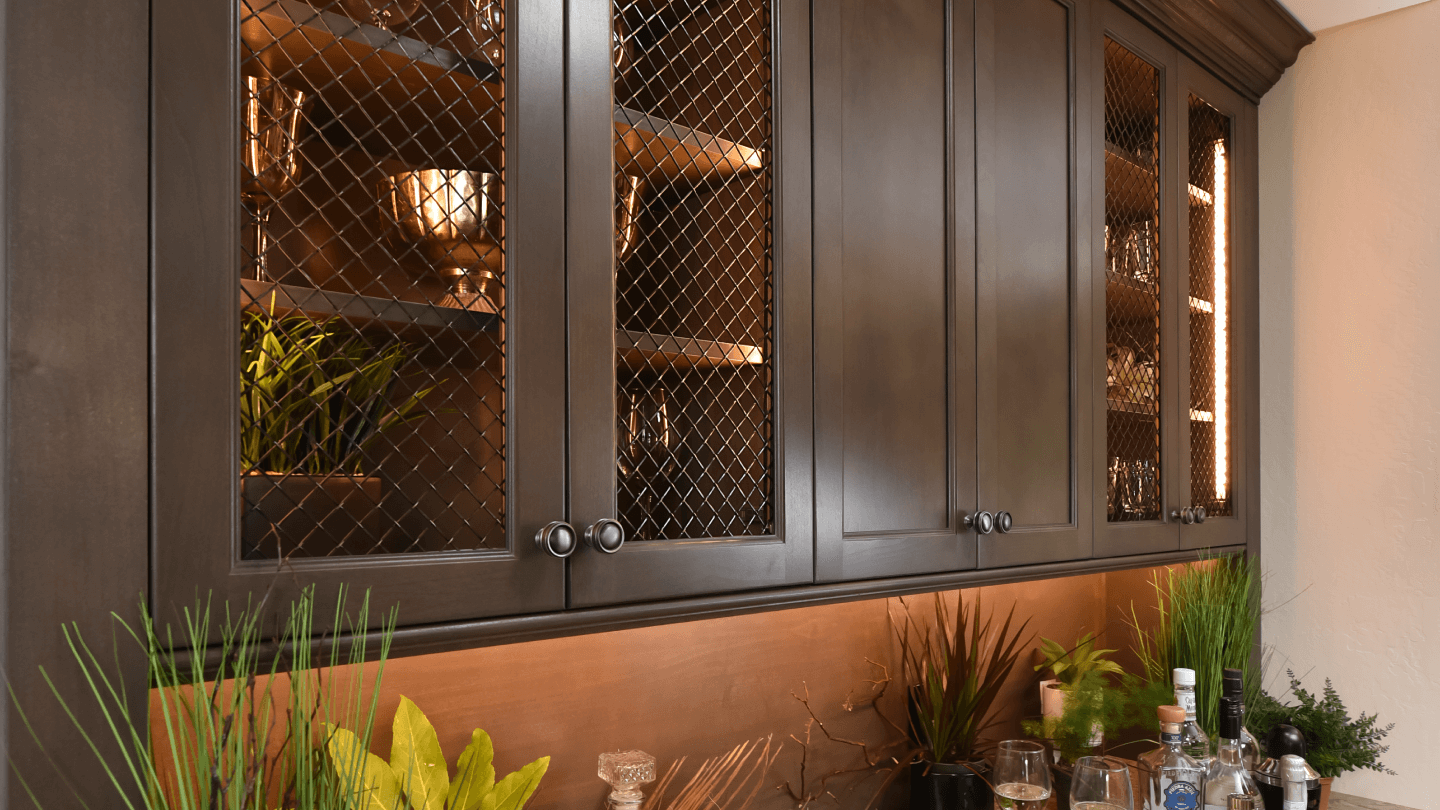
(1325, 782)
(947, 786)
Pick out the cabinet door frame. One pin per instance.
(1120, 539)
(842, 555)
(1222, 531)
(1071, 539)
(195, 499)
(662, 569)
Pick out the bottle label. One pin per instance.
(1292, 805)
(1181, 796)
(1170, 739)
(1186, 700)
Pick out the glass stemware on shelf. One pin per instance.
(644, 454)
(1101, 783)
(380, 13)
(1022, 776)
(272, 115)
(485, 21)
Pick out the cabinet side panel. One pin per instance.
(1032, 253)
(894, 268)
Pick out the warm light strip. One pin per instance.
(1222, 325)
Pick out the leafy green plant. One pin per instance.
(215, 749)
(1335, 743)
(1071, 666)
(1208, 613)
(314, 395)
(416, 775)
(956, 669)
(1094, 703)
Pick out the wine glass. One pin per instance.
(485, 20)
(269, 151)
(1022, 777)
(380, 13)
(644, 456)
(1101, 783)
(628, 193)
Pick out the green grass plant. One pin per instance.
(224, 739)
(1208, 614)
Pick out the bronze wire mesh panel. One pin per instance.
(1132, 285)
(1210, 407)
(372, 407)
(695, 264)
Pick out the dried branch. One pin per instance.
(888, 757)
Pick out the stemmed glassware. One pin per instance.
(380, 13)
(1101, 783)
(271, 157)
(1022, 776)
(645, 442)
(485, 20)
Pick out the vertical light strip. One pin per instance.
(1222, 327)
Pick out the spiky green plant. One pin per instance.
(1207, 615)
(1071, 665)
(955, 670)
(217, 746)
(314, 395)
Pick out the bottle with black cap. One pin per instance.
(1282, 743)
(1227, 773)
(1232, 685)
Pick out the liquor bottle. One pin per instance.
(1297, 776)
(1192, 738)
(1232, 685)
(1173, 779)
(1284, 742)
(1227, 774)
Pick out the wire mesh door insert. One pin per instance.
(693, 259)
(372, 390)
(1132, 285)
(1209, 162)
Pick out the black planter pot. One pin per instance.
(946, 786)
(1060, 776)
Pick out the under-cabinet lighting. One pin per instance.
(1222, 325)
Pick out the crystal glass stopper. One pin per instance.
(626, 771)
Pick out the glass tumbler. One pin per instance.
(1101, 783)
(1022, 776)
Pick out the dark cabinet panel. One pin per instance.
(1029, 321)
(893, 278)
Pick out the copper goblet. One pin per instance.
(269, 152)
(453, 216)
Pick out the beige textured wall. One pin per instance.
(1350, 367)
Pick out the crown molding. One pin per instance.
(1247, 43)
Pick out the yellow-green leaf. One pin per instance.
(475, 774)
(362, 774)
(417, 760)
(513, 791)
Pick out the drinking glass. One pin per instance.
(1101, 783)
(485, 20)
(644, 457)
(380, 13)
(1022, 777)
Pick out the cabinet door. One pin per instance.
(894, 280)
(689, 260)
(1137, 205)
(359, 302)
(1032, 331)
(1215, 133)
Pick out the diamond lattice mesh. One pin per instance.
(1132, 285)
(372, 414)
(693, 268)
(1210, 469)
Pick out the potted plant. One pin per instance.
(314, 395)
(1068, 667)
(955, 669)
(1335, 743)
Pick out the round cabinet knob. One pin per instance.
(1198, 513)
(558, 538)
(605, 535)
(981, 522)
(1004, 522)
(1185, 515)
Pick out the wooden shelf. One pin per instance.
(1150, 409)
(641, 350)
(646, 146)
(399, 317)
(395, 95)
(1130, 298)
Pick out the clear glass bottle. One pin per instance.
(1232, 685)
(1192, 738)
(1227, 773)
(1173, 779)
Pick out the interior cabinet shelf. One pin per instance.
(646, 145)
(365, 74)
(362, 310)
(1129, 406)
(1129, 297)
(1131, 172)
(641, 350)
